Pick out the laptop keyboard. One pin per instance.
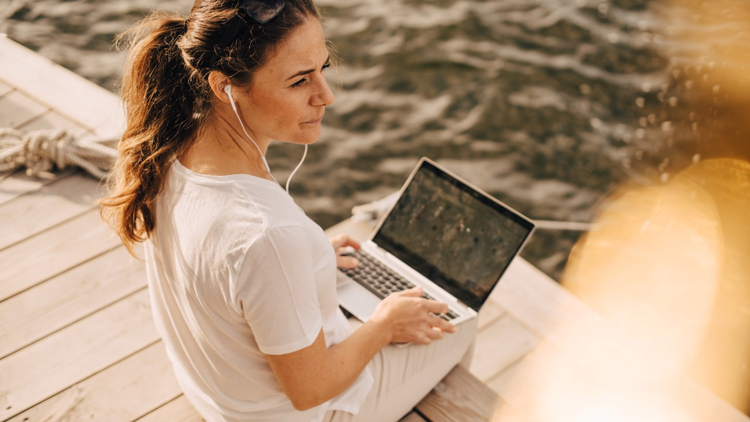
(380, 280)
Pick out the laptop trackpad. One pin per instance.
(356, 299)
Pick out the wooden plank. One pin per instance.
(499, 345)
(49, 253)
(17, 108)
(462, 398)
(120, 393)
(74, 353)
(548, 384)
(176, 410)
(7, 174)
(54, 120)
(413, 417)
(489, 313)
(528, 384)
(68, 297)
(502, 382)
(32, 213)
(4, 88)
(359, 231)
(585, 339)
(60, 89)
(18, 183)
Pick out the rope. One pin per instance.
(41, 150)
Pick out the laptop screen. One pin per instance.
(459, 238)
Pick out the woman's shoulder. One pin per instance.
(240, 209)
(208, 208)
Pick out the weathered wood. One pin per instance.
(30, 214)
(533, 298)
(54, 120)
(489, 313)
(74, 353)
(60, 89)
(6, 174)
(18, 183)
(53, 251)
(358, 231)
(501, 381)
(413, 417)
(4, 88)
(581, 338)
(499, 345)
(68, 297)
(176, 410)
(16, 108)
(462, 398)
(123, 392)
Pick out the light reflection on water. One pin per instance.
(546, 104)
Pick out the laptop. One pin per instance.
(442, 234)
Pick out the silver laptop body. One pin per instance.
(426, 239)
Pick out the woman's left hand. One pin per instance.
(339, 243)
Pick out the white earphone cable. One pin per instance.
(295, 169)
(228, 90)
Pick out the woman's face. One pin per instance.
(288, 95)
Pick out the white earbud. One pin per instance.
(228, 91)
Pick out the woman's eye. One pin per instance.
(298, 83)
(301, 81)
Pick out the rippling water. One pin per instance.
(545, 104)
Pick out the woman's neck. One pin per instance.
(221, 150)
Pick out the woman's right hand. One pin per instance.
(409, 318)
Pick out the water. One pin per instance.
(545, 104)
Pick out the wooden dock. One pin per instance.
(77, 341)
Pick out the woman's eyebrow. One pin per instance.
(305, 72)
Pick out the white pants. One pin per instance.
(405, 375)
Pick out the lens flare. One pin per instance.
(666, 277)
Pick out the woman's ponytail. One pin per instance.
(163, 108)
(167, 97)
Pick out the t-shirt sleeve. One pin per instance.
(276, 291)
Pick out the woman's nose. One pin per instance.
(324, 96)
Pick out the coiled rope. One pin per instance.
(40, 151)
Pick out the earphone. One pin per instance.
(228, 91)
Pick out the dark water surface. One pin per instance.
(545, 104)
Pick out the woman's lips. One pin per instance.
(312, 122)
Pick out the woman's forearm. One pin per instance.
(315, 374)
(344, 363)
(353, 354)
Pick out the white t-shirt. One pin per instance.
(237, 270)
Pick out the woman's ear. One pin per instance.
(218, 81)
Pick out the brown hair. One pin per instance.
(167, 96)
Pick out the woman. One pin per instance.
(242, 283)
